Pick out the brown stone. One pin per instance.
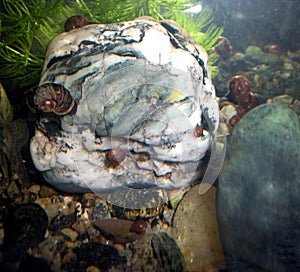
(196, 233)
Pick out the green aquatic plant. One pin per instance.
(27, 26)
(201, 28)
(23, 42)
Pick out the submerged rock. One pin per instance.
(24, 227)
(102, 256)
(196, 233)
(258, 205)
(157, 252)
(124, 109)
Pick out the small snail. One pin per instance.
(239, 87)
(198, 131)
(55, 98)
(76, 21)
(224, 48)
(139, 226)
(240, 92)
(115, 156)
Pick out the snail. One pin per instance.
(75, 21)
(55, 98)
(115, 156)
(240, 93)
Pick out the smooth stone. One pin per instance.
(13, 190)
(118, 230)
(258, 200)
(93, 253)
(296, 106)
(24, 227)
(70, 233)
(196, 233)
(157, 252)
(256, 54)
(284, 99)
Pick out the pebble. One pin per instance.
(118, 230)
(13, 190)
(24, 227)
(72, 234)
(50, 248)
(296, 106)
(52, 209)
(92, 268)
(47, 192)
(97, 254)
(228, 111)
(284, 99)
(196, 233)
(35, 189)
(1, 236)
(157, 252)
(69, 260)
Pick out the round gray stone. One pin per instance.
(258, 204)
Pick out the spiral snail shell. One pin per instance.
(75, 21)
(55, 98)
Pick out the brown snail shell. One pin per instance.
(75, 21)
(239, 87)
(198, 131)
(115, 156)
(55, 98)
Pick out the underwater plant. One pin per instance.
(27, 26)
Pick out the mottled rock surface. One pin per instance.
(258, 192)
(124, 109)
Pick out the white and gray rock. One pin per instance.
(141, 87)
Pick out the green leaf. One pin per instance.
(6, 113)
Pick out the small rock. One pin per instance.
(296, 106)
(196, 233)
(99, 255)
(24, 227)
(284, 99)
(72, 234)
(35, 189)
(62, 221)
(47, 192)
(50, 247)
(56, 262)
(13, 190)
(228, 111)
(92, 268)
(69, 260)
(157, 252)
(89, 200)
(80, 226)
(99, 211)
(120, 230)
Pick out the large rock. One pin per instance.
(258, 204)
(123, 107)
